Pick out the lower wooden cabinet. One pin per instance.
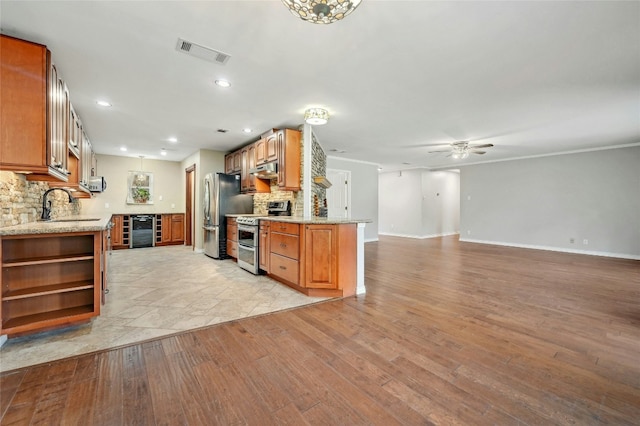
(316, 259)
(171, 229)
(120, 231)
(50, 280)
(264, 246)
(232, 237)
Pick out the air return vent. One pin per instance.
(202, 52)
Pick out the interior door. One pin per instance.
(339, 194)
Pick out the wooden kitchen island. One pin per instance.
(320, 257)
(53, 273)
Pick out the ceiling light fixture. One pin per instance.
(247, 130)
(223, 83)
(123, 148)
(163, 152)
(321, 11)
(316, 116)
(103, 103)
(173, 139)
(460, 152)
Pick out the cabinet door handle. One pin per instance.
(283, 245)
(283, 267)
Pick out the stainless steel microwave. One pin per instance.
(97, 184)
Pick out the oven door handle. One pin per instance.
(248, 228)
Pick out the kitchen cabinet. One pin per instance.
(264, 246)
(288, 142)
(316, 259)
(249, 184)
(320, 252)
(172, 229)
(87, 159)
(76, 163)
(49, 280)
(34, 113)
(232, 237)
(117, 231)
(285, 252)
(233, 163)
(261, 152)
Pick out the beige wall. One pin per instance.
(206, 161)
(168, 186)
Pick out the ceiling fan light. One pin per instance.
(316, 116)
(321, 11)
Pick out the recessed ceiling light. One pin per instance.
(247, 130)
(123, 148)
(163, 152)
(103, 103)
(173, 139)
(223, 83)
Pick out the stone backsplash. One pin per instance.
(21, 200)
(260, 200)
(318, 168)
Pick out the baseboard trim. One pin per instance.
(371, 240)
(3, 339)
(419, 237)
(558, 249)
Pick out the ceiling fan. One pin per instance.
(461, 149)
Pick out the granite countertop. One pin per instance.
(315, 220)
(80, 223)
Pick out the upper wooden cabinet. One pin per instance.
(288, 142)
(233, 163)
(34, 113)
(281, 146)
(77, 162)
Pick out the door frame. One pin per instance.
(190, 181)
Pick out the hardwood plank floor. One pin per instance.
(448, 333)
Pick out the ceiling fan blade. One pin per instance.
(478, 152)
(431, 152)
(486, 145)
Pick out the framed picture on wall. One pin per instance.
(140, 188)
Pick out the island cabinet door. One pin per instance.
(320, 260)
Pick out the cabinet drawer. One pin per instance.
(286, 228)
(284, 268)
(285, 245)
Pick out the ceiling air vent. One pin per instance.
(202, 52)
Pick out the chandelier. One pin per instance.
(321, 11)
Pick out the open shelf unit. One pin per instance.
(49, 280)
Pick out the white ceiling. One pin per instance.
(533, 78)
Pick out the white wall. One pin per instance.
(364, 192)
(419, 203)
(544, 202)
(166, 183)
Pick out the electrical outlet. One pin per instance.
(572, 240)
(160, 198)
(173, 206)
(468, 232)
(585, 242)
(106, 205)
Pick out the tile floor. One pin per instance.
(155, 292)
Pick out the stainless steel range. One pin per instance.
(249, 235)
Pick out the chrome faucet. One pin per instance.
(46, 205)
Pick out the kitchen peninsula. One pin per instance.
(321, 257)
(53, 273)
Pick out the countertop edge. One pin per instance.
(71, 224)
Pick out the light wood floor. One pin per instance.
(448, 333)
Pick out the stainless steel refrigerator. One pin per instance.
(221, 197)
